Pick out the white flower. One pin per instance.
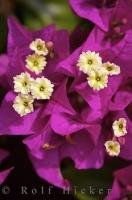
(111, 68)
(39, 46)
(22, 83)
(89, 61)
(42, 88)
(23, 104)
(98, 80)
(119, 127)
(112, 148)
(36, 63)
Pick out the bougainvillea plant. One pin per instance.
(72, 103)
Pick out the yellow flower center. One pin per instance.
(90, 62)
(120, 126)
(35, 63)
(39, 47)
(98, 78)
(42, 88)
(109, 68)
(24, 83)
(25, 103)
(111, 147)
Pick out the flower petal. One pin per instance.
(11, 122)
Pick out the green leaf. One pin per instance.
(36, 14)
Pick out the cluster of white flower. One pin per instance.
(36, 62)
(113, 146)
(28, 88)
(90, 63)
